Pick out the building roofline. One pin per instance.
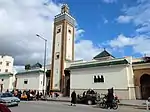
(100, 63)
(6, 74)
(29, 71)
(97, 61)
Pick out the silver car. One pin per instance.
(8, 99)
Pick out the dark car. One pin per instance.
(89, 98)
(4, 108)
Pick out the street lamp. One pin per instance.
(44, 60)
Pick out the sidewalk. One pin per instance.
(135, 103)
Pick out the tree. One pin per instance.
(27, 67)
(37, 65)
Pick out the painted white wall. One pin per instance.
(7, 82)
(114, 76)
(69, 40)
(119, 77)
(41, 82)
(34, 81)
(3, 66)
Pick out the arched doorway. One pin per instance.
(67, 83)
(68, 88)
(145, 86)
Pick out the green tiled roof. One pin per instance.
(102, 54)
(29, 71)
(117, 62)
(6, 74)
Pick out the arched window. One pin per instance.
(95, 79)
(102, 78)
(98, 78)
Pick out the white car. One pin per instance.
(8, 99)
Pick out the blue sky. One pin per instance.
(104, 21)
(120, 26)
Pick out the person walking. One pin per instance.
(110, 98)
(37, 95)
(73, 98)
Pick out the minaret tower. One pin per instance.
(63, 47)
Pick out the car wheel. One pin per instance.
(89, 102)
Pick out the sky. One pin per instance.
(120, 26)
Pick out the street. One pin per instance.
(43, 106)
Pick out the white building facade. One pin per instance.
(30, 80)
(7, 77)
(6, 64)
(7, 80)
(102, 75)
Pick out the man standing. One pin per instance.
(110, 97)
(1, 84)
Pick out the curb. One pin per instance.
(131, 105)
(55, 100)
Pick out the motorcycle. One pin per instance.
(103, 104)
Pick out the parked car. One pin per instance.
(89, 98)
(4, 108)
(8, 99)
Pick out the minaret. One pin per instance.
(63, 47)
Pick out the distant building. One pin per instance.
(33, 78)
(7, 77)
(30, 80)
(7, 81)
(6, 64)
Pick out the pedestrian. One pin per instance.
(28, 95)
(7, 91)
(37, 95)
(73, 98)
(110, 98)
(84, 93)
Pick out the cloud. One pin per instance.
(121, 41)
(85, 49)
(21, 20)
(19, 23)
(109, 1)
(124, 19)
(139, 14)
(105, 21)
(137, 43)
(78, 33)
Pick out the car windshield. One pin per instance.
(6, 95)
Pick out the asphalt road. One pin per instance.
(43, 106)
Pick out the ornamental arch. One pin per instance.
(142, 83)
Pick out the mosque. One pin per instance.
(130, 77)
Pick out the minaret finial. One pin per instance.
(64, 8)
(104, 49)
